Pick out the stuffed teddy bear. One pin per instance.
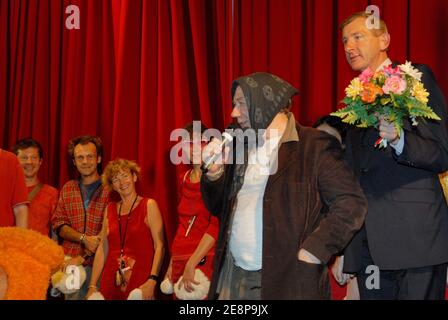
(27, 261)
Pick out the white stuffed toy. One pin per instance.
(167, 286)
(136, 294)
(59, 280)
(200, 291)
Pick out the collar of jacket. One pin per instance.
(290, 133)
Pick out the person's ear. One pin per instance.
(384, 41)
(134, 176)
(98, 161)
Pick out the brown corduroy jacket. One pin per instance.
(311, 175)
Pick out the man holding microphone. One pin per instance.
(274, 240)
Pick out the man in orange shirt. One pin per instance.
(43, 198)
(13, 195)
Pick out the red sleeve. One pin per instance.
(213, 227)
(19, 191)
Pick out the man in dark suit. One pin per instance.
(405, 236)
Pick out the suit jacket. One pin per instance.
(311, 172)
(407, 220)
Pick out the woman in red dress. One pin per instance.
(131, 250)
(194, 244)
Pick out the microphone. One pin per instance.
(227, 138)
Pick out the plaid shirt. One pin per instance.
(70, 211)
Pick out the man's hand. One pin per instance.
(308, 257)
(91, 243)
(212, 148)
(388, 131)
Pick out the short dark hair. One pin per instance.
(28, 143)
(83, 140)
(334, 122)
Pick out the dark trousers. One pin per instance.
(245, 285)
(424, 283)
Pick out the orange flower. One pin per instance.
(368, 95)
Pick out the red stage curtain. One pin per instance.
(137, 69)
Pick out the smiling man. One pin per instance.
(79, 213)
(275, 240)
(43, 198)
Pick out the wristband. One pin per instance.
(153, 277)
(81, 238)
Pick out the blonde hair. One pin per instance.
(114, 167)
(363, 14)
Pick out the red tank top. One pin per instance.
(138, 246)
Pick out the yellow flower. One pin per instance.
(354, 89)
(419, 92)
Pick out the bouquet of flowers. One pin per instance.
(394, 93)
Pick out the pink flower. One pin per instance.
(394, 84)
(366, 75)
(391, 71)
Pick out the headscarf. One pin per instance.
(266, 95)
